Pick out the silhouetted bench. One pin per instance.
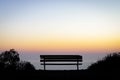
(57, 59)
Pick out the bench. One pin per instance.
(56, 59)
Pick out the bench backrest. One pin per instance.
(60, 58)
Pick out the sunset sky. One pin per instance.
(60, 25)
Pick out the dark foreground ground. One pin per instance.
(59, 75)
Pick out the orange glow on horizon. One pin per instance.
(68, 44)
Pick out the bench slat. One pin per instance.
(61, 64)
(61, 60)
(61, 56)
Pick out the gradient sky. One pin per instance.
(60, 25)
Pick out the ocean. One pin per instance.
(88, 59)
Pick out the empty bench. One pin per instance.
(57, 59)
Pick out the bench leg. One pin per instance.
(44, 65)
(77, 65)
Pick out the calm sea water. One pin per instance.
(88, 59)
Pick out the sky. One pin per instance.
(60, 25)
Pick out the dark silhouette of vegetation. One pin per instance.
(26, 66)
(110, 63)
(10, 61)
